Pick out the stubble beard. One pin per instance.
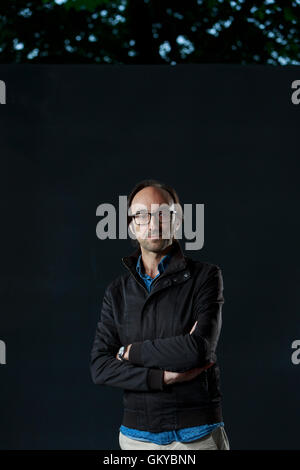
(155, 245)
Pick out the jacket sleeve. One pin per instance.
(184, 352)
(106, 369)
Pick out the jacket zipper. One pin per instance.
(149, 294)
(144, 398)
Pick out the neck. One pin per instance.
(151, 260)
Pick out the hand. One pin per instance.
(126, 354)
(173, 377)
(193, 327)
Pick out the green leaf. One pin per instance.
(288, 14)
(89, 5)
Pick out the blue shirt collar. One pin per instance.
(161, 265)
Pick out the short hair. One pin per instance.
(144, 184)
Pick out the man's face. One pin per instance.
(154, 235)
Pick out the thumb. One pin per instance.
(193, 327)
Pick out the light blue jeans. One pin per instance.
(216, 440)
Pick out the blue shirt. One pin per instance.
(166, 437)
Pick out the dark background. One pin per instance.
(73, 137)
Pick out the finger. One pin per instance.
(194, 326)
(208, 365)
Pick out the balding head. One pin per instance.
(151, 195)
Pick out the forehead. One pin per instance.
(149, 196)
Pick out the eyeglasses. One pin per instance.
(143, 218)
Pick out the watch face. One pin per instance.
(121, 351)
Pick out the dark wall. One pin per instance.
(73, 137)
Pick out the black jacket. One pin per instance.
(157, 324)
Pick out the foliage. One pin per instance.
(150, 31)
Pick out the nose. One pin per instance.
(154, 223)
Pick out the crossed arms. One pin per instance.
(147, 360)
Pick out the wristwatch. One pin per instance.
(121, 353)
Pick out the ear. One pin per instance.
(178, 216)
(132, 228)
(177, 225)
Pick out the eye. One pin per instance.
(141, 217)
(164, 214)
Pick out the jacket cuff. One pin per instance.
(156, 379)
(135, 353)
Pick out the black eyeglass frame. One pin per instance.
(150, 214)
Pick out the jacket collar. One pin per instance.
(176, 263)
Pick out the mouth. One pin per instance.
(154, 237)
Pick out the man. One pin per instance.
(158, 332)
